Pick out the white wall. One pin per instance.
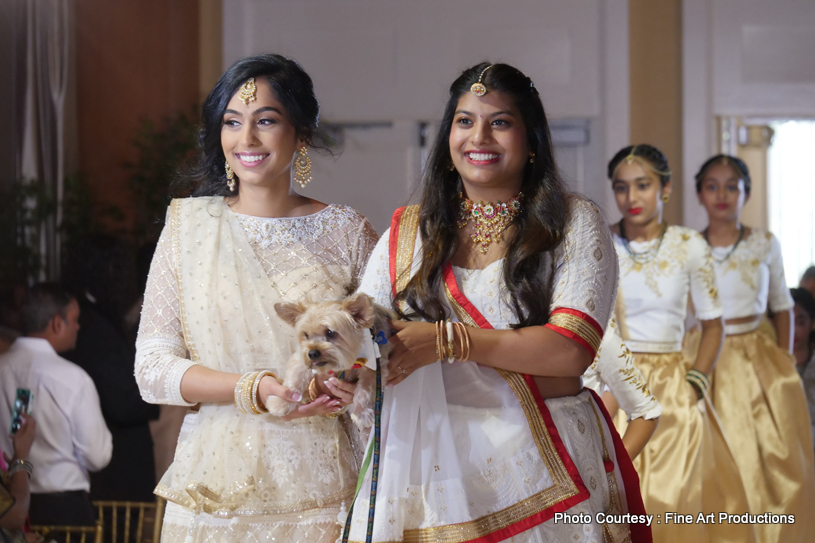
(391, 61)
(742, 58)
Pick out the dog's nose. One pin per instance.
(314, 354)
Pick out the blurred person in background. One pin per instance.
(72, 438)
(96, 269)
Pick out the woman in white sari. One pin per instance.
(501, 442)
(210, 339)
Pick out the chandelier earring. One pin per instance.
(230, 177)
(531, 158)
(302, 167)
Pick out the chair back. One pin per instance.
(131, 522)
(71, 534)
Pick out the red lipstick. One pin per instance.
(634, 210)
(722, 207)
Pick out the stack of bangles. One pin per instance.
(246, 392)
(699, 381)
(452, 341)
(20, 465)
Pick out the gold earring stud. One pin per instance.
(665, 198)
(230, 177)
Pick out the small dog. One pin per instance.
(330, 337)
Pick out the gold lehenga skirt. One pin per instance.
(686, 467)
(763, 411)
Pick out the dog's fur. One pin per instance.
(330, 336)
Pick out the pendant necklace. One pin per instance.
(640, 259)
(735, 245)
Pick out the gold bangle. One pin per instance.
(240, 392)
(336, 414)
(448, 326)
(312, 389)
(259, 407)
(246, 395)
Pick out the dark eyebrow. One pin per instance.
(464, 112)
(256, 112)
(644, 177)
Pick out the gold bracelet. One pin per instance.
(246, 395)
(336, 414)
(240, 392)
(312, 389)
(448, 326)
(259, 407)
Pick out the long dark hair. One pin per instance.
(292, 87)
(539, 227)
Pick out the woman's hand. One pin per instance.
(339, 389)
(24, 437)
(324, 405)
(270, 386)
(414, 346)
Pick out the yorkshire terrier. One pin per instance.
(330, 337)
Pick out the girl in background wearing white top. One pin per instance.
(755, 388)
(686, 467)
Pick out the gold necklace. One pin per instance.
(489, 220)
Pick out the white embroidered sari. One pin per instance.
(211, 292)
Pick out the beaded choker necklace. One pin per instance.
(735, 245)
(489, 219)
(646, 256)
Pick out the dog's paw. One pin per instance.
(363, 419)
(280, 407)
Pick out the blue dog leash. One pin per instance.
(371, 455)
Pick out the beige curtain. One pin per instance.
(41, 64)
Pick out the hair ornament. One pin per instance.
(478, 87)
(631, 158)
(248, 91)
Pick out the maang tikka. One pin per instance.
(248, 91)
(302, 167)
(478, 87)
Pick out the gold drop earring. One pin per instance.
(230, 177)
(302, 167)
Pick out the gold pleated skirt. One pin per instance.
(763, 411)
(687, 467)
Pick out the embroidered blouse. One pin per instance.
(752, 276)
(653, 297)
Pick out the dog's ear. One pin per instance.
(361, 309)
(289, 312)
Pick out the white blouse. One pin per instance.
(752, 276)
(614, 368)
(582, 281)
(654, 287)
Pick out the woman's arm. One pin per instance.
(535, 350)
(637, 434)
(19, 488)
(783, 329)
(710, 345)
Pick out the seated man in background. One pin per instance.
(72, 437)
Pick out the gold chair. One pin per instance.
(71, 534)
(143, 517)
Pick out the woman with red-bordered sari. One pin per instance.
(500, 444)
